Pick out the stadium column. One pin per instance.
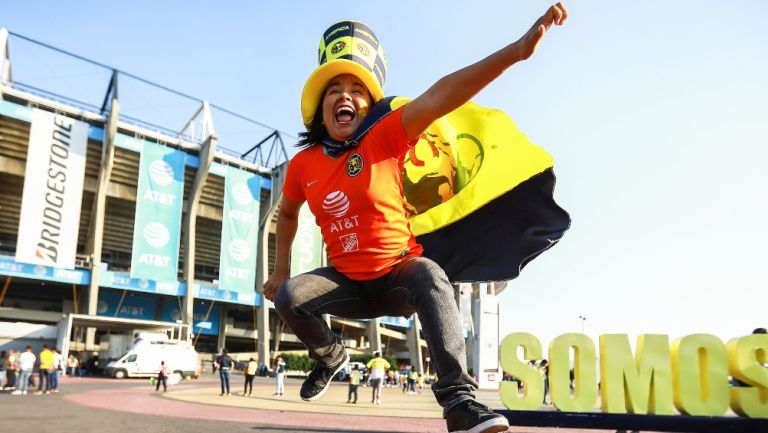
(374, 334)
(188, 227)
(266, 227)
(96, 235)
(5, 60)
(414, 343)
(485, 359)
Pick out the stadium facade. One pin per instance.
(109, 226)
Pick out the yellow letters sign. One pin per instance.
(691, 374)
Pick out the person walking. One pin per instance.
(413, 376)
(12, 369)
(26, 361)
(544, 371)
(250, 373)
(162, 377)
(377, 366)
(354, 384)
(3, 369)
(279, 376)
(45, 368)
(73, 365)
(56, 368)
(224, 363)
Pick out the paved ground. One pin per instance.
(115, 406)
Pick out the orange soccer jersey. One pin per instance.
(357, 200)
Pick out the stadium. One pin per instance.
(111, 224)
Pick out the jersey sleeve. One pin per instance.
(292, 185)
(389, 133)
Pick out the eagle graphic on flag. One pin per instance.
(479, 194)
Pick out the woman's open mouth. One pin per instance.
(345, 114)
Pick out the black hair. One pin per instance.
(316, 129)
(759, 331)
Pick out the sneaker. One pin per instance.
(319, 379)
(16, 392)
(470, 416)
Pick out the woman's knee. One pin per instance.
(427, 275)
(287, 298)
(429, 272)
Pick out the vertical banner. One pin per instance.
(53, 191)
(240, 231)
(157, 225)
(307, 248)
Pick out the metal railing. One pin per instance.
(268, 152)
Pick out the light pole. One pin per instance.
(582, 318)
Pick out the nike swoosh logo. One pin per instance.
(312, 183)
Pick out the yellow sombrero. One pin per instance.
(347, 47)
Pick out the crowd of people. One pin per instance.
(18, 368)
(378, 373)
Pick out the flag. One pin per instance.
(479, 195)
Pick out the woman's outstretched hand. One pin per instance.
(526, 45)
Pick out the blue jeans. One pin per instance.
(23, 382)
(417, 285)
(53, 379)
(224, 378)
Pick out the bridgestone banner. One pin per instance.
(157, 225)
(240, 231)
(307, 248)
(53, 190)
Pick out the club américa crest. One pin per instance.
(354, 165)
(337, 47)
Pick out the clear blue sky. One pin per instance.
(656, 113)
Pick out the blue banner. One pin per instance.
(206, 319)
(157, 228)
(133, 306)
(240, 231)
(213, 293)
(20, 112)
(8, 266)
(122, 280)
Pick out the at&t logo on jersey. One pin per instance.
(336, 204)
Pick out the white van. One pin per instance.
(144, 357)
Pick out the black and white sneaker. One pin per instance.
(470, 416)
(319, 378)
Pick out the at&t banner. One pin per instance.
(53, 189)
(307, 248)
(240, 231)
(157, 225)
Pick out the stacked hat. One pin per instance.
(347, 47)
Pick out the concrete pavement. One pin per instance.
(114, 406)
